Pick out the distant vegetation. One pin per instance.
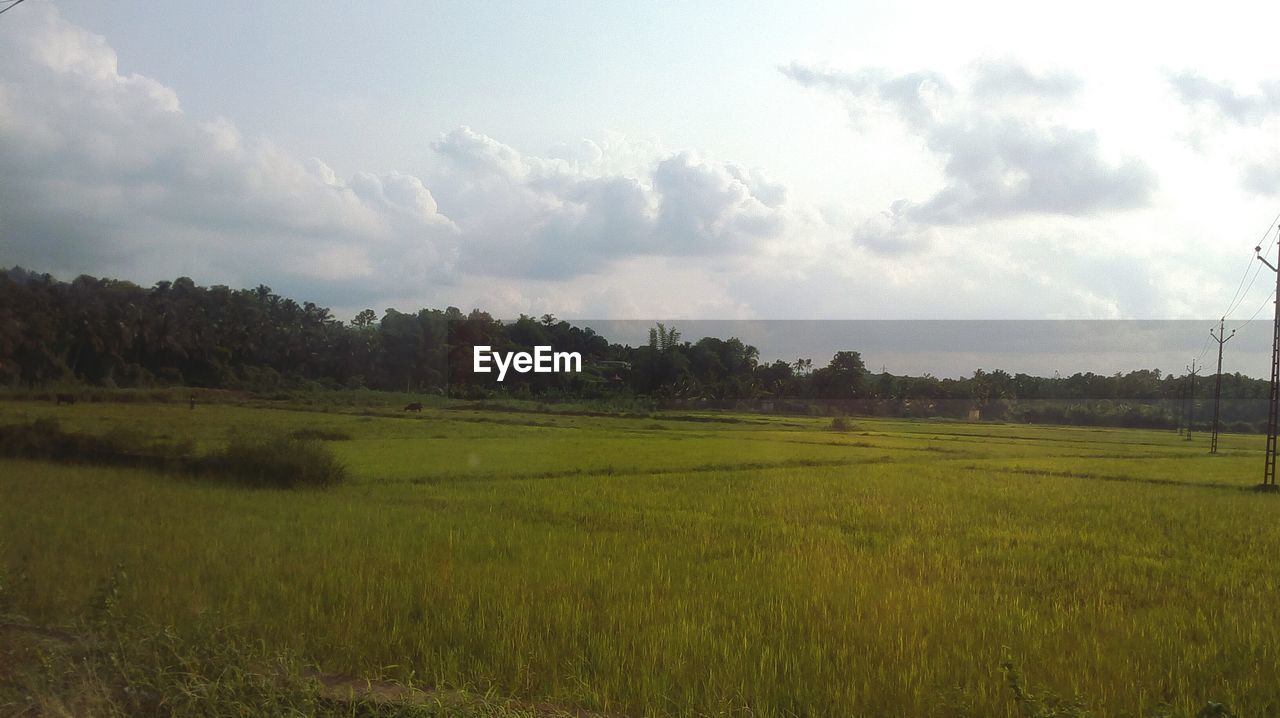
(108, 333)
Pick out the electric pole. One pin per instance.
(1217, 383)
(1269, 468)
(1191, 397)
(1182, 403)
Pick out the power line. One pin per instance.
(1258, 311)
(12, 5)
(1237, 300)
(1256, 268)
(1203, 349)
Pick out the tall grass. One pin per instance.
(270, 461)
(597, 563)
(281, 462)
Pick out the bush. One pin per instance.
(1243, 427)
(45, 439)
(38, 440)
(841, 423)
(321, 434)
(278, 462)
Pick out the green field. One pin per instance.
(690, 564)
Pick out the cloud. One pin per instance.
(1008, 167)
(913, 95)
(998, 161)
(1005, 78)
(524, 215)
(1241, 126)
(1262, 177)
(105, 171)
(893, 233)
(1197, 91)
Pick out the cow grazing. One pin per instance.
(415, 406)
(60, 399)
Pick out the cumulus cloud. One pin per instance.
(1262, 177)
(567, 214)
(913, 95)
(1245, 109)
(1242, 122)
(103, 169)
(998, 161)
(104, 172)
(1010, 78)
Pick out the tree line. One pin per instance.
(114, 333)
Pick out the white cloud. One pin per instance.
(1246, 109)
(105, 172)
(1242, 124)
(999, 161)
(569, 214)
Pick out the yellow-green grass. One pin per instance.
(661, 565)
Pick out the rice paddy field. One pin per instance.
(692, 564)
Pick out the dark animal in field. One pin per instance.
(60, 399)
(415, 406)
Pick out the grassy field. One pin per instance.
(694, 564)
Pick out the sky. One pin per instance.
(628, 161)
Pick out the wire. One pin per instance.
(1265, 302)
(1203, 349)
(1239, 298)
(1236, 303)
(12, 5)
(1231, 304)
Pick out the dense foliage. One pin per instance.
(113, 333)
(262, 460)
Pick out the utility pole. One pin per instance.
(1217, 383)
(1191, 397)
(1182, 403)
(1269, 468)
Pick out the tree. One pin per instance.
(663, 339)
(365, 319)
(842, 378)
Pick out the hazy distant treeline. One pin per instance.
(113, 333)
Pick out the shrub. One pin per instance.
(38, 440)
(321, 434)
(1241, 427)
(841, 423)
(277, 462)
(45, 439)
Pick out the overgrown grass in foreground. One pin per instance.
(613, 565)
(111, 668)
(271, 461)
